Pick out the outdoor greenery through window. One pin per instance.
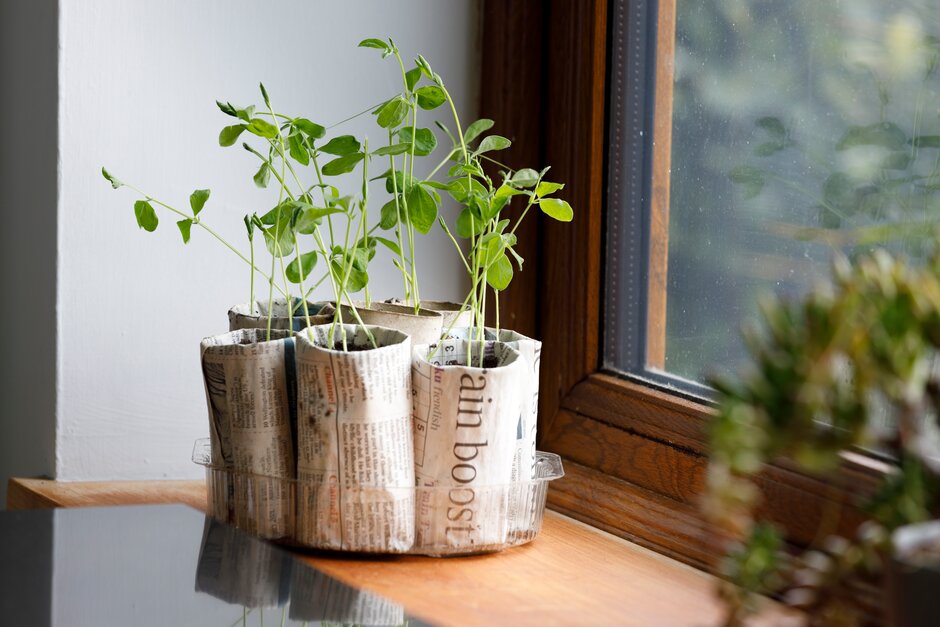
(797, 129)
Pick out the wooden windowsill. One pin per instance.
(571, 574)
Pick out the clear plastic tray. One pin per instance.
(409, 520)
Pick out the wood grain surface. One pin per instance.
(571, 574)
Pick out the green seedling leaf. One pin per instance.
(749, 178)
(297, 150)
(357, 278)
(389, 215)
(493, 142)
(262, 176)
(249, 226)
(185, 227)
(468, 224)
(499, 275)
(884, 134)
(519, 259)
(773, 126)
(526, 177)
(393, 112)
(230, 134)
(308, 128)
(262, 128)
(425, 67)
(507, 191)
(264, 94)
(412, 77)
(146, 216)
(430, 97)
(447, 132)
(495, 206)
(342, 165)
(298, 272)
(460, 190)
(476, 129)
(437, 185)
(243, 114)
(341, 146)
(394, 149)
(311, 217)
(424, 140)
(392, 246)
(115, 183)
(372, 42)
(557, 209)
(421, 209)
(463, 169)
(546, 189)
(403, 181)
(197, 200)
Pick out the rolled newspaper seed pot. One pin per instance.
(246, 316)
(454, 316)
(250, 573)
(250, 389)
(355, 454)
(423, 328)
(465, 424)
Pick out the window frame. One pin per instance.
(635, 454)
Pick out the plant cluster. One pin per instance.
(824, 370)
(314, 225)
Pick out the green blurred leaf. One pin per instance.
(557, 209)
(492, 142)
(421, 208)
(341, 146)
(424, 140)
(297, 272)
(392, 246)
(546, 189)
(884, 134)
(476, 129)
(430, 97)
(392, 113)
(230, 134)
(469, 224)
(185, 226)
(146, 216)
(310, 129)
(197, 200)
(115, 183)
(342, 165)
(297, 150)
(262, 176)
(499, 274)
(749, 178)
(373, 43)
(526, 177)
(389, 215)
(394, 149)
(412, 77)
(262, 128)
(773, 126)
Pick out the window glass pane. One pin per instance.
(798, 127)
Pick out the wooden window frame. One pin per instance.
(635, 456)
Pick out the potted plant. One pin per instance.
(824, 370)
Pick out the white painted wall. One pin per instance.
(137, 84)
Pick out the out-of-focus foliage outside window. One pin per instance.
(799, 127)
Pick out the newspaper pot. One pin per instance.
(465, 430)
(355, 461)
(245, 316)
(454, 314)
(913, 576)
(250, 392)
(423, 327)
